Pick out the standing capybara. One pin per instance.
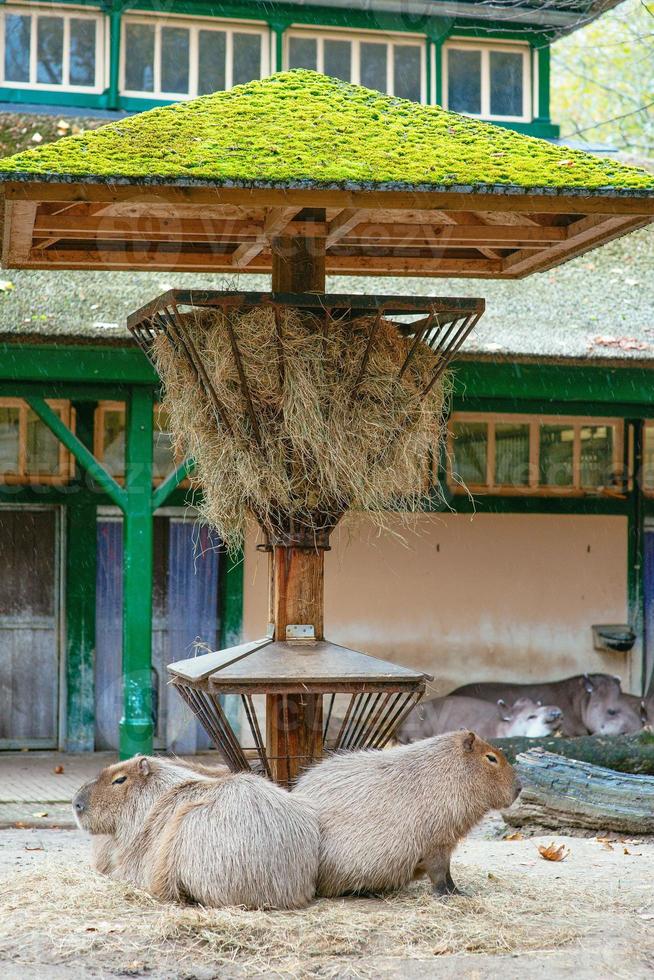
(185, 836)
(386, 817)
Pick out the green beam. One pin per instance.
(136, 728)
(84, 457)
(81, 545)
(164, 490)
(73, 392)
(551, 406)
(75, 363)
(517, 382)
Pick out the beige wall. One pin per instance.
(466, 598)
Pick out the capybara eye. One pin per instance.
(491, 758)
(119, 779)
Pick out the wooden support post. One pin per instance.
(136, 727)
(294, 721)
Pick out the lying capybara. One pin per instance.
(439, 715)
(184, 836)
(386, 817)
(105, 850)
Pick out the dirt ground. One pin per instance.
(589, 916)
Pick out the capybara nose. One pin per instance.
(78, 805)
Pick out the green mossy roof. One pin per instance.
(302, 129)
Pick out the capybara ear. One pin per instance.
(469, 741)
(144, 766)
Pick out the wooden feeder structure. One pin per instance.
(301, 176)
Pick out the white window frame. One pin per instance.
(534, 487)
(486, 48)
(356, 38)
(194, 25)
(35, 11)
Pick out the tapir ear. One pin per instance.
(506, 718)
(469, 741)
(540, 703)
(144, 765)
(588, 684)
(643, 712)
(501, 702)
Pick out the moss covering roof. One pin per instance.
(303, 129)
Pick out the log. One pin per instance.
(624, 753)
(561, 793)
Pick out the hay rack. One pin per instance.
(300, 694)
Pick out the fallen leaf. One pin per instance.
(26, 848)
(40, 813)
(605, 842)
(37, 138)
(20, 825)
(6, 285)
(553, 852)
(58, 770)
(515, 836)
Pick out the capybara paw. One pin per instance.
(446, 889)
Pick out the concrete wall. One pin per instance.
(466, 598)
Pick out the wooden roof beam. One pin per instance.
(275, 222)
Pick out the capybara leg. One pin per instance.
(437, 866)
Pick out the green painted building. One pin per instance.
(550, 417)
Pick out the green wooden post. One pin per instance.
(543, 57)
(636, 548)
(81, 543)
(136, 728)
(113, 93)
(278, 27)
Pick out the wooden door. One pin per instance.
(29, 628)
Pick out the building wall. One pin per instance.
(489, 596)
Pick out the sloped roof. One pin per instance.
(301, 129)
(599, 306)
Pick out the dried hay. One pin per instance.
(328, 440)
(66, 914)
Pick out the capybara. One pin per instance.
(105, 849)
(188, 837)
(440, 715)
(386, 817)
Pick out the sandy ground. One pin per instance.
(618, 941)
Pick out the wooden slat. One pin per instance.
(275, 222)
(342, 224)
(558, 203)
(582, 236)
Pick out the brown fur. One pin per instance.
(387, 816)
(184, 836)
(105, 850)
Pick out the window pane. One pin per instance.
(596, 453)
(337, 58)
(17, 48)
(247, 58)
(470, 449)
(556, 455)
(139, 58)
(302, 52)
(82, 51)
(49, 50)
(9, 438)
(211, 63)
(42, 451)
(406, 67)
(511, 455)
(464, 80)
(506, 83)
(373, 65)
(648, 457)
(163, 459)
(174, 60)
(113, 441)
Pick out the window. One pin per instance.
(389, 65)
(52, 49)
(492, 81)
(176, 59)
(29, 452)
(109, 441)
(529, 454)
